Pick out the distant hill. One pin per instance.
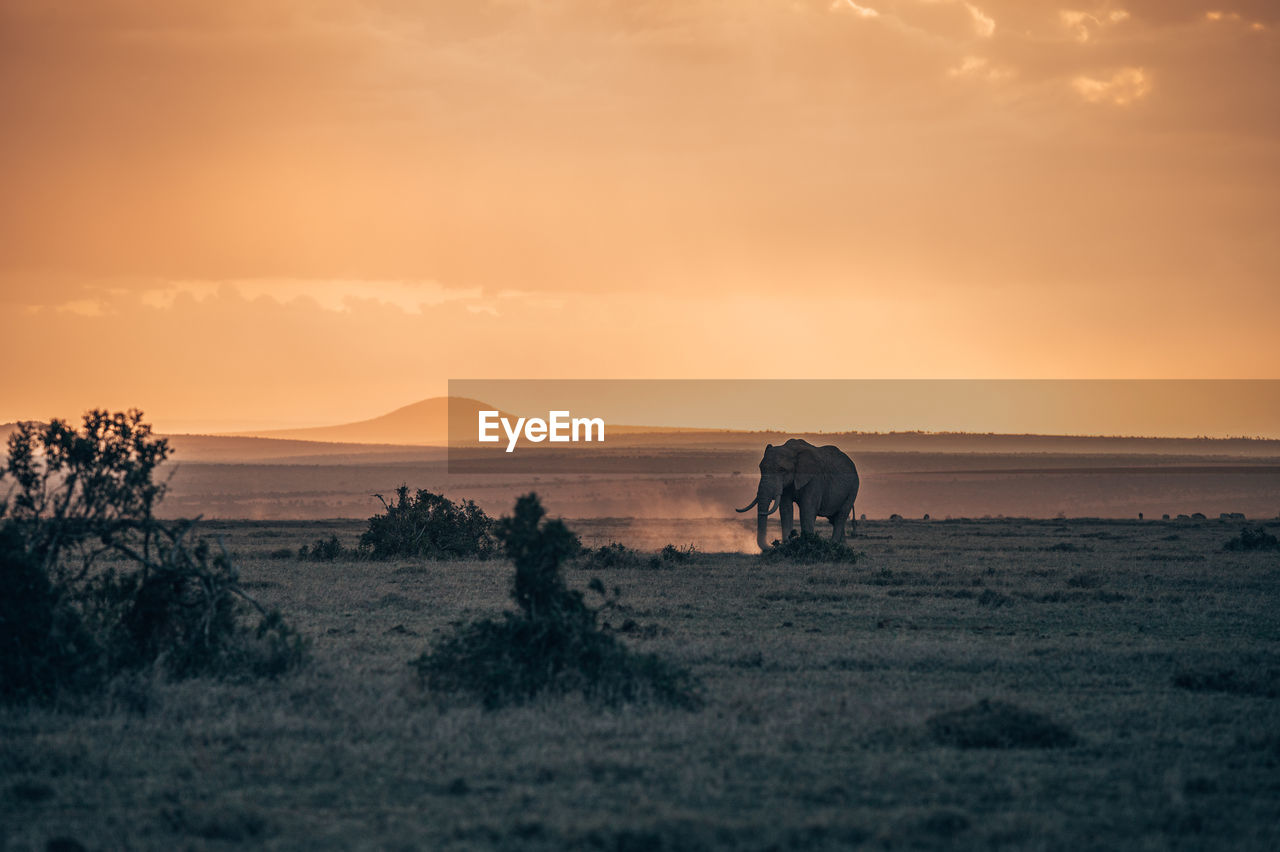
(424, 423)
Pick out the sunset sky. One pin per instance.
(248, 214)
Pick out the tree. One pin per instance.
(94, 584)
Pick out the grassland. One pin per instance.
(1156, 649)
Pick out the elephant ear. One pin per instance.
(807, 468)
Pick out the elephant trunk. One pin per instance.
(768, 505)
(769, 500)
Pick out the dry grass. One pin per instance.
(820, 683)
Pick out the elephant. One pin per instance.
(822, 480)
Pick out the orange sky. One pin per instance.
(241, 215)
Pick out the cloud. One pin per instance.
(1219, 17)
(164, 297)
(983, 24)
(980, 67)
(943, 20)
(1084, 26)
(1122, 88)
(1181, 12)
(410, 297)
(84, 307)
(849, 5)
(333, 295)
(330, 296)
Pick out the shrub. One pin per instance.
(430, 525)
(674, 554)
(615, 555)
(94, 585)
(323, 550)
(611, 555)
(553, 643)
(186, 612)
(997, 724)
(1256, 538)
(811, 548)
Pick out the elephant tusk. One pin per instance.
(748, 506)
(773, 507)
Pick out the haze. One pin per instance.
(289, 213)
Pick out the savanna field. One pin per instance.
(1005, 683)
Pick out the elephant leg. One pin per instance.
(786, 514)
(809, 506)
(838, 523)
(837, 526)
(807, 519)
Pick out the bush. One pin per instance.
(323, 550)
(1256, 538)
(611, 555)
(997, 724)
(672, 555)
(811, 548)
(512, 660)
(94, 585)
(187, 614)
(553, 643)
(678, 555)
(430, 525)
(615, 555)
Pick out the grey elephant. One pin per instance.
(821, 480)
